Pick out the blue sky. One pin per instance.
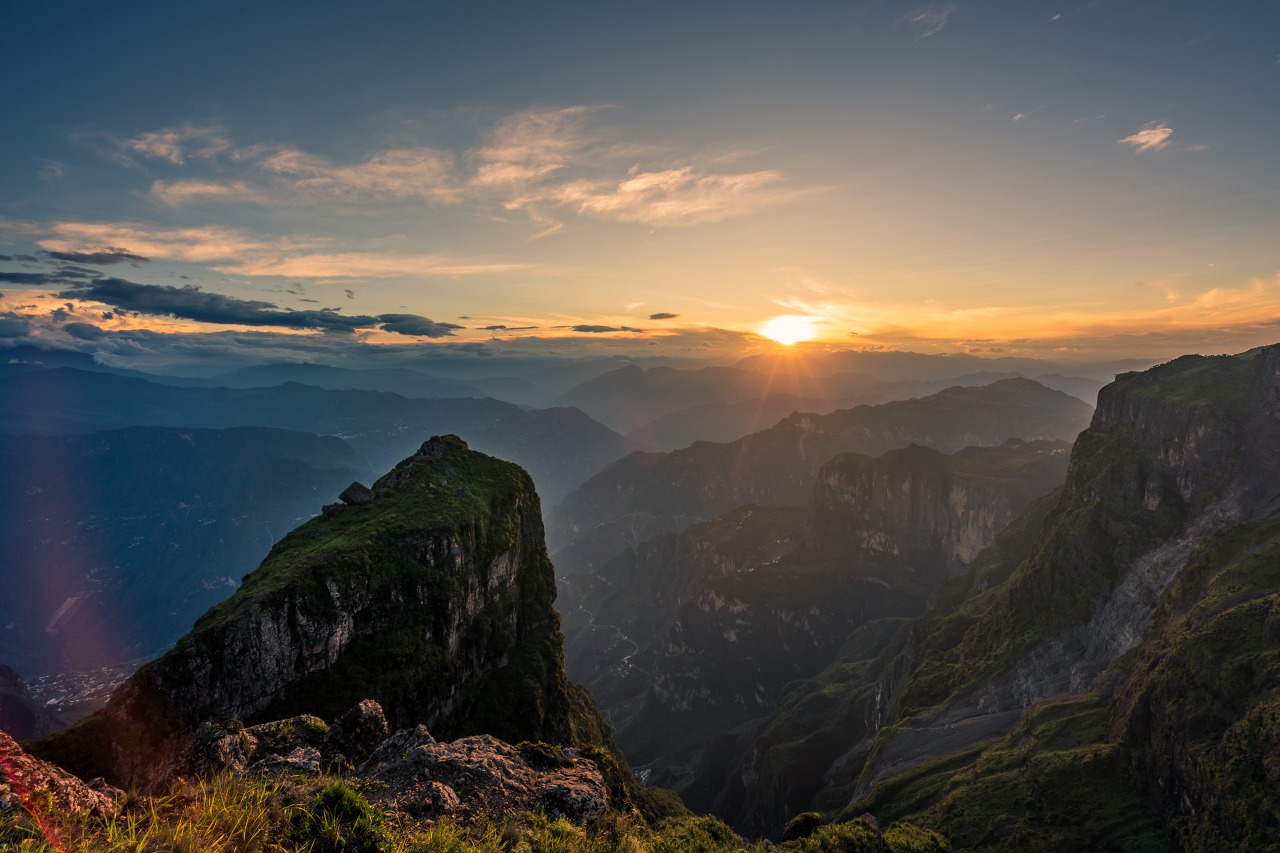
(1082, 180)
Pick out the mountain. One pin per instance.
(896, 365)
(635, 400)
(1106, 674)
(402, 381)
(561, 447)
(722, 422)
(647, 493)
(430, 594)
(877, 538)
(115, 541)
(20, 716)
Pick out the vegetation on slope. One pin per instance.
(239, 814)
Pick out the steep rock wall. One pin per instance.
(434, 597)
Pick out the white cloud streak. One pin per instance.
(542, 162)
(1154, 136)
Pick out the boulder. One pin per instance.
(25, 779)
(358, 733)
(356, 493)
(480, 775)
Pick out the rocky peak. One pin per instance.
(434, 599)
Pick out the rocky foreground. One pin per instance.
(300, 784)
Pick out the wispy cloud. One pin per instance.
(234, 251)
(544, 163)
(177, 193)
(928, 20)
(336, 265)
(176, 145)
(531, 146)
(104, 256)
(403, 173)
(672, 197)
(1154, 136)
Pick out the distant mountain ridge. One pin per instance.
(647, 493)
(561, 447)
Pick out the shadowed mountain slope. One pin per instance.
(433, 596)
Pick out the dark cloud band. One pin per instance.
(192, 303)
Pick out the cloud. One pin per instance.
(539, 161)
(405, 173)
(667, 198)
(192, 303)
(105, 256)
(14, 325)
(413, 324)
(663, 315)
(231, 250)
(52, 171)
(177, 193)
(596, 330)
(39, 279)
(928, 20)
(176, 144)
(362, 265)
(530, 146)
(1154, 136)
(196, 245)
(84, 331)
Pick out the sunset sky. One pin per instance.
(1072, 180)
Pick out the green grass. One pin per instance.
(231, 814)
(1054, 783)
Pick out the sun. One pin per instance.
(789, 329)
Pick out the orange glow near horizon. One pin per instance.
(789, 329)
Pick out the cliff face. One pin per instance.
(1130, 599)
(432, 595)
(878, 536)
(918, 500)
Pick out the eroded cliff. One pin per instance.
(432, 594)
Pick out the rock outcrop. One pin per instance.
(415, 773)
(40, 787)
(434, 599)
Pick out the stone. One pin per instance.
(358, 733)
(356, 493)
(303, 761)
(414, 772)
(23, 778)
